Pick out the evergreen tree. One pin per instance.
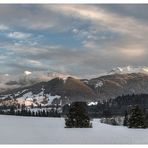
(125, 123)
(44, 113)
(33, 113)
(18, 112)
(78, 116)
(32, 106)
(36, 114)
(136, 118)
(52, 113)
(40, 106)
(65, 109)
(12, 110)
(107, 113)
(29, 113)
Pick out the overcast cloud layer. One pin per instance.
(80, 40)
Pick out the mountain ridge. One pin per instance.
(91, 90)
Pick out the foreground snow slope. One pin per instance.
(35, 130)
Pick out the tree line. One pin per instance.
(27, 112)
(118, 106)
(78, 117)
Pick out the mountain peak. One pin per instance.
(129, 69)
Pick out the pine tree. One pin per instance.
(136, 119)
(77, 116)
(44, 113)
(52, 113)
(29, 113)
(33, 113)
(12, 110)
(125, 123)
(32, 106)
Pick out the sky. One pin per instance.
(80, 40)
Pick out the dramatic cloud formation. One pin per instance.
(81, 40)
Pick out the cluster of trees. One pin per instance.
(117, 106)
(78, 117)
(28, 112)
(114, 107)
(135, 118)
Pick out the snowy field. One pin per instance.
(36, 130)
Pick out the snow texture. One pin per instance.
(92, 103)
(36, 130)
(99, 84)
(129, 69)
(27, 98)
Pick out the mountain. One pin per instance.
(129, 69)
(111, 86)
(63, 90)
(55, 91)
(28, 78)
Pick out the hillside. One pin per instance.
(63, 91)
(119, 84)
(54, 91)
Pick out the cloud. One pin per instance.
(34, 62)
(132, 53)
(19, 35)
(76, 39)
(3, 27)
(123, 30)
(98, 15)
(30, 16)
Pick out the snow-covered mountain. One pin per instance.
(63, 89)
(28, 78)
(113, 85)
(55, 91)
(129, 69)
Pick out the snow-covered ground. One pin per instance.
(35, 130)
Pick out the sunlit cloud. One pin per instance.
(74, 39)
(122, 24)
(132, 53)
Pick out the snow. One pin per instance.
(145, 69)
(27, 102)
(36, 130)
(27, 72)
(51, 98)
(99, 84)
(7, 75)
(129, 69)
(86, 81)
(28, 97)
(5, 96)
(118, 120)
(92, 103)
(24, 91)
